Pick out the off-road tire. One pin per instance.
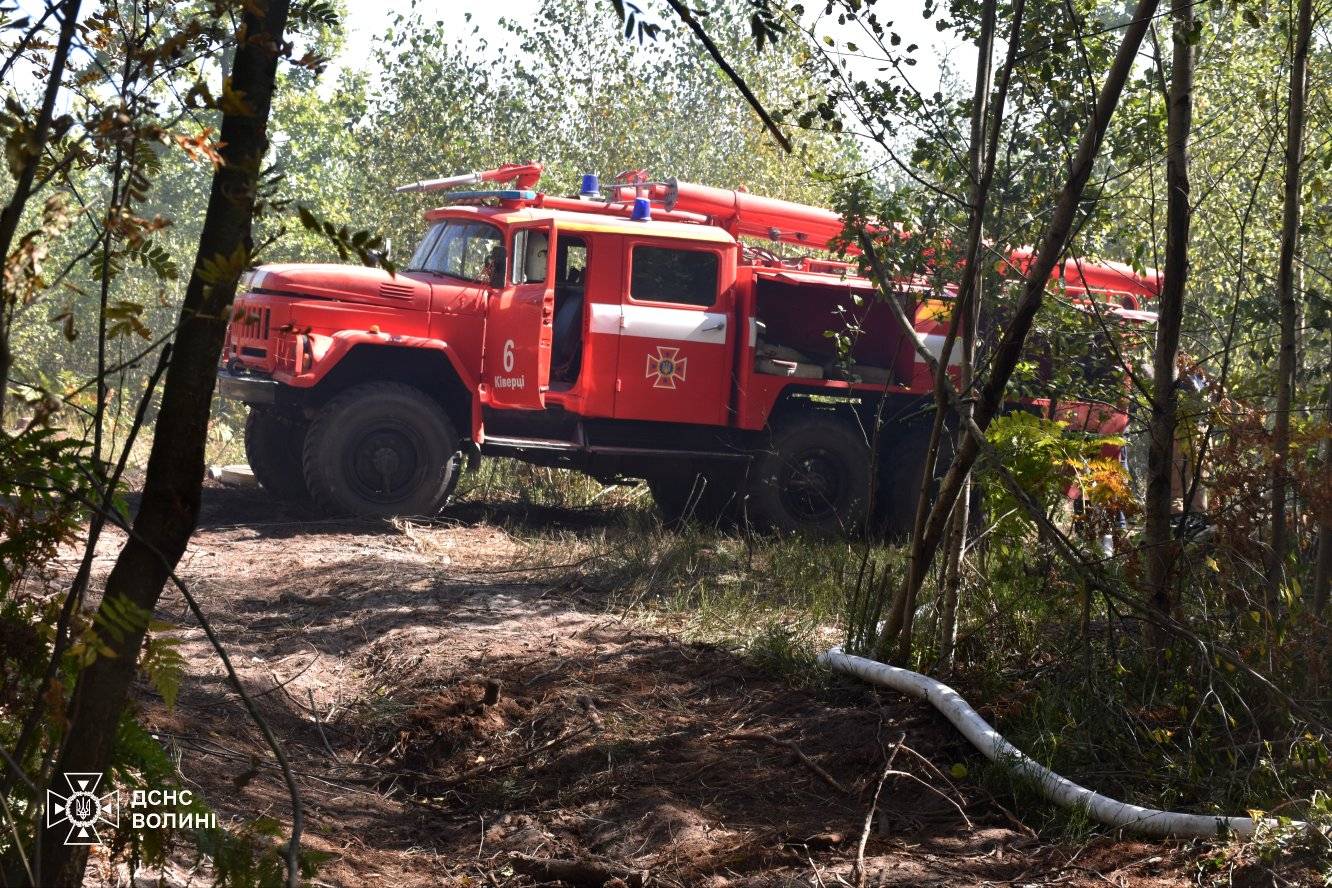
(381, 449)
(813, 478)
(710, 498)
(274, 448)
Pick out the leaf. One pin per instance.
(200, 147)
(124, 318)
(155, 257)
(233, 102)
(366, 245)
(219, 269)
(164, 667)
(319, 13)
(66, 319)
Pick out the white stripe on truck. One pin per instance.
(934, 344)
(650, 322)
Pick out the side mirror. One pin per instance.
(497, 263)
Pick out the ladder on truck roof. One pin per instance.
(751, 215)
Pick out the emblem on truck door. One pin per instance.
(667, 366)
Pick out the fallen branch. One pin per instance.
(502, 764)
(319, 723)
(279, 684)
(577, 873)
(934, 789)
(934, 769)
(804, 759)
(858, 871)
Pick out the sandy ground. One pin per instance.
(375, 649)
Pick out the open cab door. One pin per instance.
(515, 366)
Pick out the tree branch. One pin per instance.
(692, 22)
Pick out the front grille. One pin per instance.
(253, 323)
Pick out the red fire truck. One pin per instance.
(634, 332)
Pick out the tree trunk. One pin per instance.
(1009, 351)
(18, 200)
(170, 504)
(952, 579)
(957, 537)
(1323, 564)
(1290, 233)
(897, 626)
(1160, 540)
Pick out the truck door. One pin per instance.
(515, 367)
(676, 333)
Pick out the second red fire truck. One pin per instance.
(629, 333)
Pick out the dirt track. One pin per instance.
(374, 647)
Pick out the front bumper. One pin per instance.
(250, 389)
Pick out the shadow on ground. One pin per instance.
(446, 709)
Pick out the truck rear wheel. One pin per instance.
(381, 449)
(706, 497)
(814, 478)
(274, 443)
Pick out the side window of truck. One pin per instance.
(571, 267)
(531, 256)
(666, 274)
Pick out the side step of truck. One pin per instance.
(580, 454)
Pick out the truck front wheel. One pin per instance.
(274, 442)
(381, 449)
(814, 478)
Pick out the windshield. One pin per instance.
(460, 249)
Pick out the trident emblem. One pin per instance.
(82, 809)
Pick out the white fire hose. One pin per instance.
(1057, 789)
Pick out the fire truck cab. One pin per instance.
(628, 334)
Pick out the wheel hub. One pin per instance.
(812, 485)
(385, 462)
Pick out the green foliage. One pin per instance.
(118, 618)
(162, 662)
(438, 104)
(365, 245)
(1284, 840)
(44, 483)
(25, 641)
(772, 599)
(131, 151)
(1045, 458)
(323, 13)
(156, 258)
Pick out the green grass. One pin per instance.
(779, 601)
(1094, 707)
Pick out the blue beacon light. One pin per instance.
(642, 210)
(591, 187)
